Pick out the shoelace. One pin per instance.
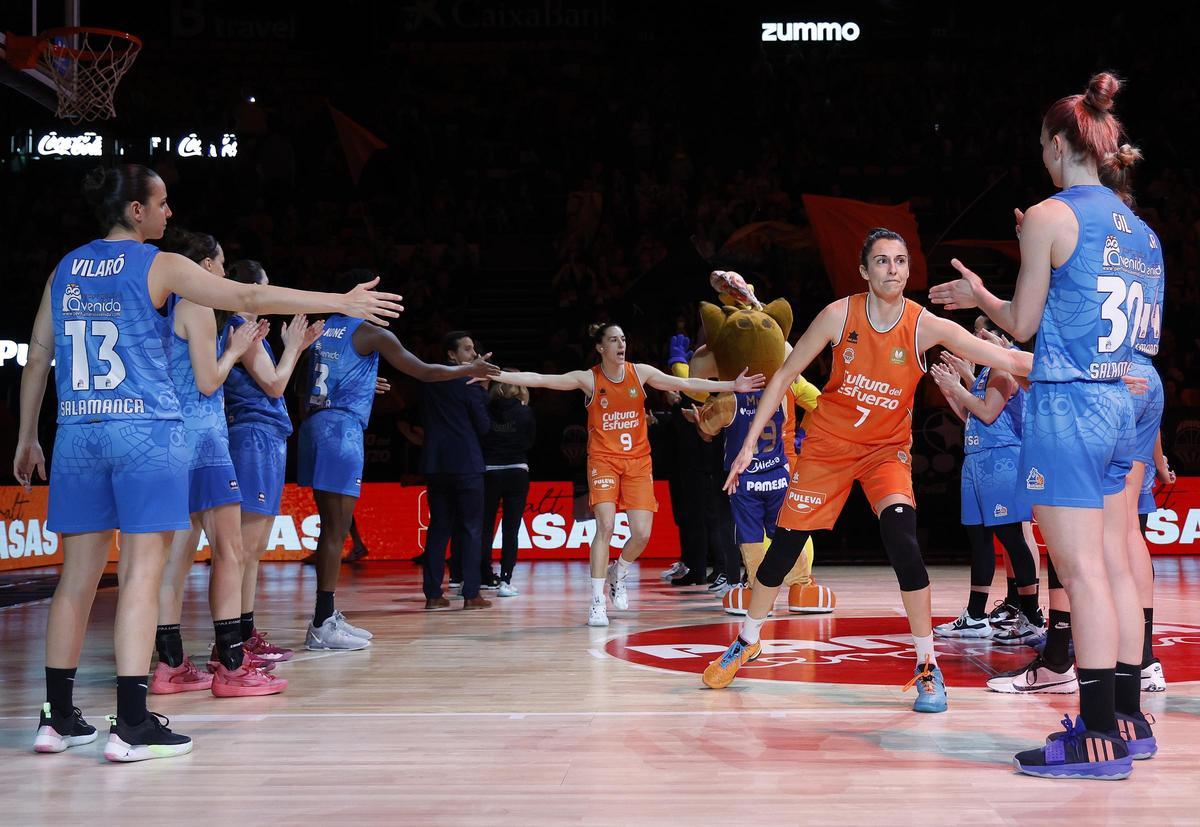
(731, 654)
(160, 721)
(925, 677)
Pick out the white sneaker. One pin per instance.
(1153, 679)
(720, 583)
(348, 627)
(722, 590)
(616, 588)
(677, 570)
(506, 590)
(598, 616)
(1020, 632)
(965, 626)
(1036, 679)
(329, 635)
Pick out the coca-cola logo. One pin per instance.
(863, 650)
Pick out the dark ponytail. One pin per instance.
(109, 190)
(194, 246)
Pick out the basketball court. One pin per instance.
(523, 715)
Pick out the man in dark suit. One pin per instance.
(455, 417)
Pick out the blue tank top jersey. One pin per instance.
(248, 404)
(199, 411)
(110, 342)
(769, 453)
(1150, 315)
(1005, 430)
(339, 378)
(1089, 326)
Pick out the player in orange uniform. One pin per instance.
(861, 431)
(618, 466)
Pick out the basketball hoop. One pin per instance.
(84, 63)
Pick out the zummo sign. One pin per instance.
(809, 32)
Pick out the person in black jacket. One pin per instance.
(505, 478)
(455, 418)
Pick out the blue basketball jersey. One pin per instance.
(1005, 429)
(110, 343)
(339, 377)
(1088, 326)
(248, 404)
(203, 415)
(769, 452)
(1150, 315)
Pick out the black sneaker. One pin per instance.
(149, 739)
(719, 583)
(1004, 614)
(56, 733)
(357, 553)
(489, 581)
(1078, 753)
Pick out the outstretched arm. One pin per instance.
(655, 378)
(575, 380)
(935, 330)
(172, 273)
(369, 339)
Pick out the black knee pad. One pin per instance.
(1052, 575)
(785, 550)
(898, 529)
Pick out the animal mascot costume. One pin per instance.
(742, 333)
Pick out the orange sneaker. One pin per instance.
(720, 672)
(812, 598)
(245, 681)
(167, 680)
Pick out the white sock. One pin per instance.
(925, 648)
(622, 567)
(598, 589)
(750, 629)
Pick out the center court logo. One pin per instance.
(860, 650)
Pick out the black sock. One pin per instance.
(60, 686)
(1029, 608)
(131, 699)
(977, 604)
(229, 642)
(1058, 639)
(324, 608)
(1127, 689)
(1096, 699)
(169, 643)
(247, 625)
(1147, 637)
(1012, 596)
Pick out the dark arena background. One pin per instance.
(520, 169)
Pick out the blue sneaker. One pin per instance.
(1077, 753)
(931, 688)
(1139, 738)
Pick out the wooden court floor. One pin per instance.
(523, 715)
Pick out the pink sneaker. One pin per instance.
(245, 681)
(259, 646)
(186, 677)
(248, 659)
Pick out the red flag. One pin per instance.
(840, 225)
(357, 142)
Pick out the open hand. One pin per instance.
(960, 293)
(364, 302)
(747, 384)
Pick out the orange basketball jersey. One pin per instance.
(869, 397)
(617, 416)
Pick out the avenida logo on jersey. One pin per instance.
(74, 304)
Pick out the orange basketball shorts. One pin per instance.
(626, 481)
(826, 469)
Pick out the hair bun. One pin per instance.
(1101, 90)
(1127, 155)
(593, 329)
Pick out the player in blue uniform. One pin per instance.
(199, 363)
(342, 369)
(259, 427)
(1081, 254)
(992, 409)
(120, 456)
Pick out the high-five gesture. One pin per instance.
(364, 302)
(960, 293)
(747, 384)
